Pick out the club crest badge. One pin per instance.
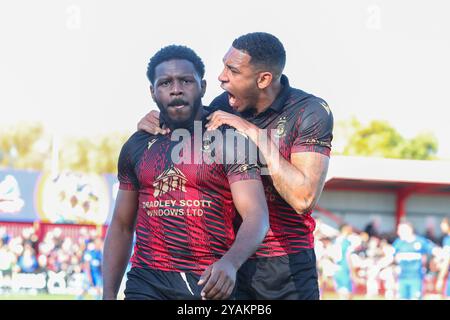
(281, 127)
(170, 180)
(206, 146)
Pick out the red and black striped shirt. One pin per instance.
(300, 122)
(186, 212)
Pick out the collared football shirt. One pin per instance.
(299, 122)
(186, 212)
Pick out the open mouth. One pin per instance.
(232, 100)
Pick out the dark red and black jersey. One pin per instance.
(298, 122)
(186, 212)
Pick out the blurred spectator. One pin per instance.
(326, 266)
(430, 230)
(84, 239)
(76, 279)
(342, 277)
(444, 266)
(93, 264)
(410, 250)
(373, 257)
(387, 273)
(445, 228)
(42, 264)
(57, 259)
(7, 260)
(372, 267)
(58, 238)
(373, 228)
(27, 260)
(29, 236)
(349, 262)
(4, 236)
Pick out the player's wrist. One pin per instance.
(233, 261)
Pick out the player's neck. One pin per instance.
(199, 115)
(268, 96)
(189, 124)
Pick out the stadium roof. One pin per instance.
(389, 174)
(402, 177)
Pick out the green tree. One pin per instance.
(97, 154)
(24, 146)
(380, 139)
(74, 154)
(423, 146)
(107, 152)
(29, 146)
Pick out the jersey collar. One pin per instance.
(281, 98)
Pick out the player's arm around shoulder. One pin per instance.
(313, 167)
(300, 181)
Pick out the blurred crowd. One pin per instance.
(403, 265)
(56, 264)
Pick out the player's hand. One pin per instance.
(218, 118)
(150, 123)
(219, 280)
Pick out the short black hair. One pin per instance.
(174, 52)
(265, 50)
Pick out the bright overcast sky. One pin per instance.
(79, 66)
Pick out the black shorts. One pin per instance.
(288, 277)
(150, 284)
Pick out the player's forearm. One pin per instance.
(250, 235)
(117, 252)
(291, 183)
